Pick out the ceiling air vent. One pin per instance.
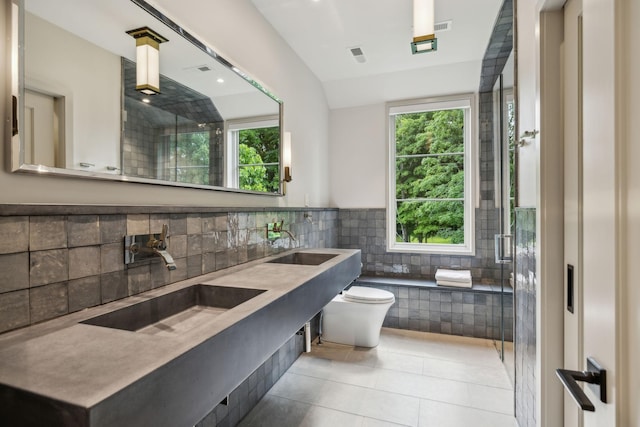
(443, 26)
(197, 68)
(357, 54)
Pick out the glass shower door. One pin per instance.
(504, 116)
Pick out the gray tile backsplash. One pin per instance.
(84, 261)
(48, 302)
(83, 230)
(84, 293)
(15, 269)
(15, 309)
(47, 232)
(14, 234)
(54, 264)
(48, 267)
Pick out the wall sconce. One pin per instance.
(147, 59)
(424, 38)
(286, 158)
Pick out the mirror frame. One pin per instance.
(16, 162)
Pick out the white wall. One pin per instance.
(462, 77)
(528, 60)
(93, 125)
(358, 147)
(358, 134)
(630, 297)
(241, 35)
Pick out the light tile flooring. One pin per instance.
(411, 379)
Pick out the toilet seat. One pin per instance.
(364, 295)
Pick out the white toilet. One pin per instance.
(355, 316)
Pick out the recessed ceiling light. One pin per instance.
(357, 54)
(220, 80)
(146, 100)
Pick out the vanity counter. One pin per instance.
(66, 373)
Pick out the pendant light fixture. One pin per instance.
(147, 59)
(424, 38)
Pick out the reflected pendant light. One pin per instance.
(147, 59)
(424, 38)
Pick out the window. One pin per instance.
(254, 155)
(189, 157)
(431, 176)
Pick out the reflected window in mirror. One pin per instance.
(254, 160)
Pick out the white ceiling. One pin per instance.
(322, 31)
(179, 59)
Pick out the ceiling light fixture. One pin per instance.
(424, 38)
(147, 59)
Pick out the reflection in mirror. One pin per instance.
(210, 126)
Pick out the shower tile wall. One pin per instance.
(54, 264)
(139, 145)
(525, 338)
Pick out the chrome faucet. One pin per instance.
(282, 230)
(275, 230)
(154, 246)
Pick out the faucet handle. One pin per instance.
(163, 237)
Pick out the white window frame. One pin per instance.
(232, 147)
(469, 104)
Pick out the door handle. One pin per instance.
(503, 248)
(14, 119)
(594, 375)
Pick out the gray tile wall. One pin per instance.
(525, 291)
(242, 400)
(139, 143)
(466, 312)
(366, 229)
(57, 264)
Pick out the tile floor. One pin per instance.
(411, 379)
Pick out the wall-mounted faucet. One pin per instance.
(147, 246)
(275, 230)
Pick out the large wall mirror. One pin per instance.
(81, 110)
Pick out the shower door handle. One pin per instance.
(503, 248)
(594, 375)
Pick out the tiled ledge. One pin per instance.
(421, 305)
(37, 209)
(423, 283)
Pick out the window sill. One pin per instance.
(433, 249)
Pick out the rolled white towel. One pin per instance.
(462, 276)
(452, 283)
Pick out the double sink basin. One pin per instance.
(165, 358)
(180, 310)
